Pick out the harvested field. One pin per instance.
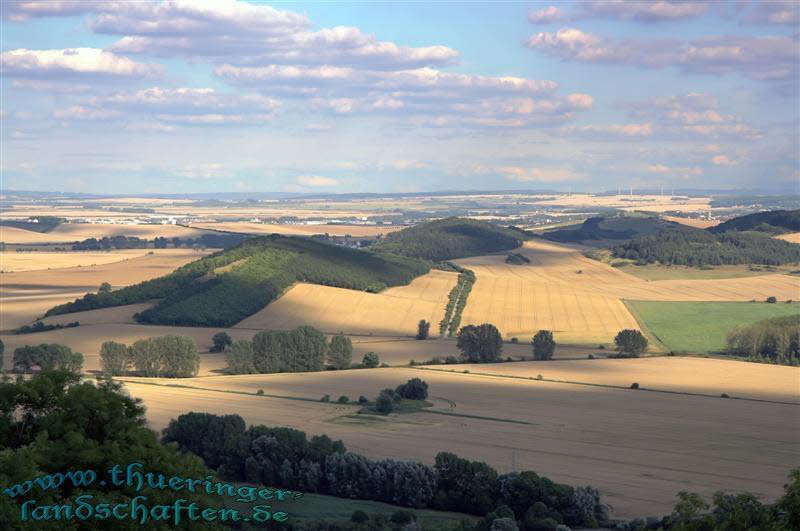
(576, 434)
(693, 222)
(393, 312)
(792, 237)
(33, 261)
(580, 299)
(299, 230)
(650, 203)
(26, 295)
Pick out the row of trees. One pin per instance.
(776, 340)
(46, 357)
(166, 356)
(300, 350)
(456, 302)
(214, 241)
(283, 457)
(484, 344)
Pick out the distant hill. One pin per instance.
(601, 228)
(688, 246)
(773, 222)
(36, 224)
(223, 288)
(450, 238)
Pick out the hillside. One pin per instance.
(225, 287)
(450, 238)
(698, 247)
(600, 228)
(773, 222)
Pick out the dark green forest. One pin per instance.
(697, 247)
(450, 238)
(601, 228)
(41, 223)
(223, 288)
(773, 222)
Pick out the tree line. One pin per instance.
(456, 302)
(212, 240)
(303, 349)
(776, 340)
(168, 356)
(286, 457)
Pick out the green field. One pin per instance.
(332, 509)
(701, 327)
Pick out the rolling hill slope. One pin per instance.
(773, 222)
(224, 288)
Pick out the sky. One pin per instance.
(179, 96)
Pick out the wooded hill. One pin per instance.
(773, 222)
(223, 288)
(449, 238)
(681, 245)
(601, 228)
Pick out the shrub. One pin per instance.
(543, 345)
(359, 517)
(423, 329)
(260, 392)
(414, 389)
(221, 341)
(514, 340)
(385, 402)
(772, 300)
(724, 395)
(325, 398)
(631, 342)
(371, 360)
(343, 399)
(634, 385)
(363, 400)
(591, 356)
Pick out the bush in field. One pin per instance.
(371, 360)
(385, 402)
(240, 357)
(423, 329)
(115, 358)
(631, 342)
(772, 300)
(340, 352)
(414, 389)
(47, 356)
(543, 345)
(221, 341)
(166, 356)
(480, 344)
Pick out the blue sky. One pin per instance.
(223, 95)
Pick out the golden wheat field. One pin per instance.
(26, 295)
(793, 237)
(356, 231)
(33, 261)
(693, 222)
(639, 447)
(74, 232)
(580, 299)
(395, 311)
(650, 203)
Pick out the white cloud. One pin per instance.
(546, 16)
(658, 168)
(526, 175)
(316, 181)
(642, 130)
(73, 63)
(723, 160)
(78, 112)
